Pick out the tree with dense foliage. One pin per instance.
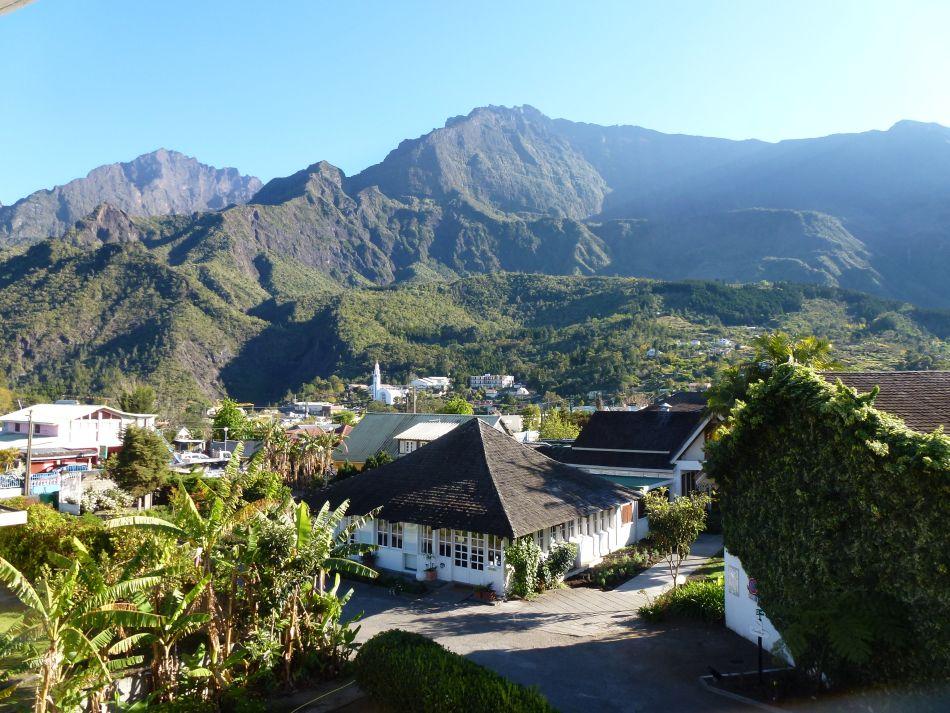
(675, 524)
(8, 457)
(840, 513)
(345, 418)
(139, 399)
(531, 417)
(457, 404)
(376, 460)
(142, 466)
(232, 417)
(556, 424)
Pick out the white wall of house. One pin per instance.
(477, 559)
(743, 615)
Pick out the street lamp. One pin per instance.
(225, 438)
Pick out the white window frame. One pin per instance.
(493, 550)
(427, 540)
(382, 533)
(460, 548)
(476, 552)
(445, 543)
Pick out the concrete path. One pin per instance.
(584, 611)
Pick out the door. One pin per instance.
(444, 554)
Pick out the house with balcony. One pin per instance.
(457, 502)
(68, 433)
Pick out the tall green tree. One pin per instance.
(140, 399)
(232, 417)
(457, 404)
(142, 466)
(556, 424)
(675, 524)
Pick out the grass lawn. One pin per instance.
(714, 566)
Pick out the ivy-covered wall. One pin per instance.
(842, 514)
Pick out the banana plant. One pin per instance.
(69, 633)
(206, 538)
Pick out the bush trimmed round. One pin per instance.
(404, 671)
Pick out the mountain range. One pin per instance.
(511, 189)
(188, 275)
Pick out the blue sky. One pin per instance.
(272, 87)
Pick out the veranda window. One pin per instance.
(571, 525)
(461, 548)
(389, 534)
(477, 559)
(445, 542)
(494, 551)
(427, 540)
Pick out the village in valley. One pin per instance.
(508, 526)
(495, 357)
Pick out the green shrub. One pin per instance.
(524, 557)
(840, 512)
(46, 530)
(703, 600)
(559, 561)
(407, 672)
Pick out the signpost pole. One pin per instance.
(760, 660)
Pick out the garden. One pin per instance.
(218, 602)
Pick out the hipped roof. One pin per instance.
(479, 479)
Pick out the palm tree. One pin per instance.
(71, 631)
(276, 449)
(779, 347)
(770, 349)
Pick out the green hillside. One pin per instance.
(199, 316)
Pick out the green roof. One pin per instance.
(635, 481)
(377, 431)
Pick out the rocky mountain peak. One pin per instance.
(157, 183)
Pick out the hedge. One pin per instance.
(840, 512)
(696, 599)
(403, 671)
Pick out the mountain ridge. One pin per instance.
(156, 183)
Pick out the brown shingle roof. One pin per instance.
(920, 398)
(477, 478)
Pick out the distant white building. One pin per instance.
(384, 393)
(491, 381)
(432, 383)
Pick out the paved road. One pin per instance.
(585, 649)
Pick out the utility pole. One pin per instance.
(29, 453)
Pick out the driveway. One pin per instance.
(586, 650)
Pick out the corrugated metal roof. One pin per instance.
(377, 432)
(428, 431)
